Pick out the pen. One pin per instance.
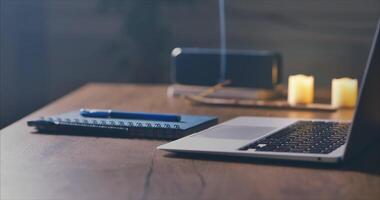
(129, 115)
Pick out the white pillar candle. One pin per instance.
(344, 92)
(300, 89)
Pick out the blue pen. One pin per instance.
(129, 115)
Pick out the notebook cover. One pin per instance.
(73, 123)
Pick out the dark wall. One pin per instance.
(50, 47)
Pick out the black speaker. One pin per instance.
(253, 69)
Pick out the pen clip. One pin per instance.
(95, 113)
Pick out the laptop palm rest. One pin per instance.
(236, 132)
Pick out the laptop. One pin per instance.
(297, 139)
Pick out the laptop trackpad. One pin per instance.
(236, 132)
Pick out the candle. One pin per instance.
(300, 89)
(344, 92)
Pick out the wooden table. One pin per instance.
(35, 166)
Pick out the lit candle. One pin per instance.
(300, 89)
(344, 92)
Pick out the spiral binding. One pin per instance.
(110, 123)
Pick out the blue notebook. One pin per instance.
(73, 123)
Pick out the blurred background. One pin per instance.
(51, 47)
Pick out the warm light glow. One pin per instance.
(300, 89)
(344, 92)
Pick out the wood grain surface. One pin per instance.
(35, 166)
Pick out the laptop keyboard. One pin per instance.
(304, 137)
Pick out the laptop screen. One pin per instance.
(366, 123)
